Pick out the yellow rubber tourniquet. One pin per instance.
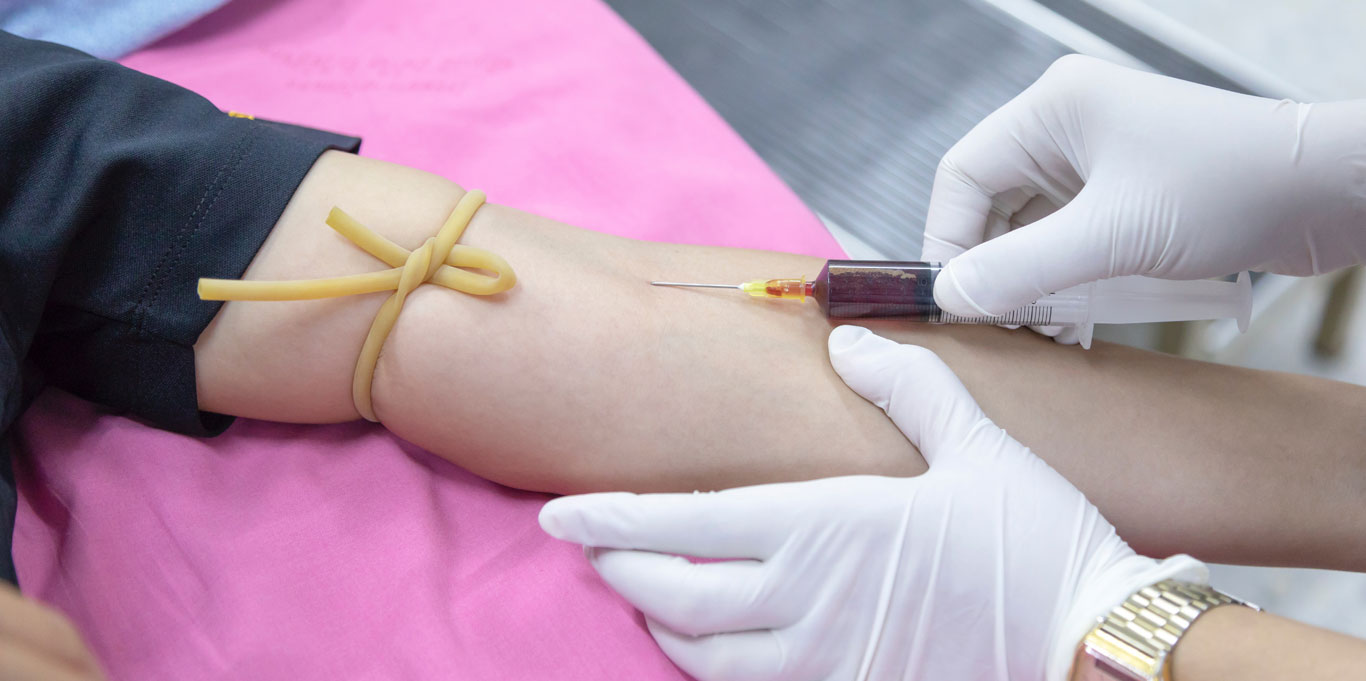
(410, 270)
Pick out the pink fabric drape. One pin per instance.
(325, 552)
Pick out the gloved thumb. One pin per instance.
(1027, 263)
(918, 391)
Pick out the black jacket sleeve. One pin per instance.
(117, 192)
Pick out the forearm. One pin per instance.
(1229, 464)
(585, 378)
(1241, 643)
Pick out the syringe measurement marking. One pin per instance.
(1033, 315)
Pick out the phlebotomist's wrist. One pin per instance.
(1136, 640)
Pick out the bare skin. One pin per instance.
(39, 643)
(1241, 643)
(584, 378)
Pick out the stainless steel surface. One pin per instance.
(851, 102)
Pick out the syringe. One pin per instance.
(855, 289)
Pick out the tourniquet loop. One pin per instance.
(409, 269)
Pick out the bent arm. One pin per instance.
(584, 377)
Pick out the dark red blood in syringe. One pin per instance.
(850, 289)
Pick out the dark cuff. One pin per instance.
(152, 363)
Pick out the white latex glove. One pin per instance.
(989, 566)
(1154, 176)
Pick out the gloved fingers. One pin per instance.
(694, 598)
(1038, 208)
(742, 656)
(1035, 209)
(729, 524)
(1067, 335)
(1017, 268)
(1013, 148)
(918, 391)
(1062, 335)
(957, 217)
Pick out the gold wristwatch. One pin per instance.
(1133, 641)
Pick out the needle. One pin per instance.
(797, 289)
(675, 283)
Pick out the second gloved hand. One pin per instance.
(1150, 175)
(989, 566)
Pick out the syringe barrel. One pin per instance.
(856, 289)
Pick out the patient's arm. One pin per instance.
(584, 377)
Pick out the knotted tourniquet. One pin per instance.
(435, 261)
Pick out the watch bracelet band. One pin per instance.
(1140, 633)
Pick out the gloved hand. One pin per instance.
(1154, 176)
(989, 566)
